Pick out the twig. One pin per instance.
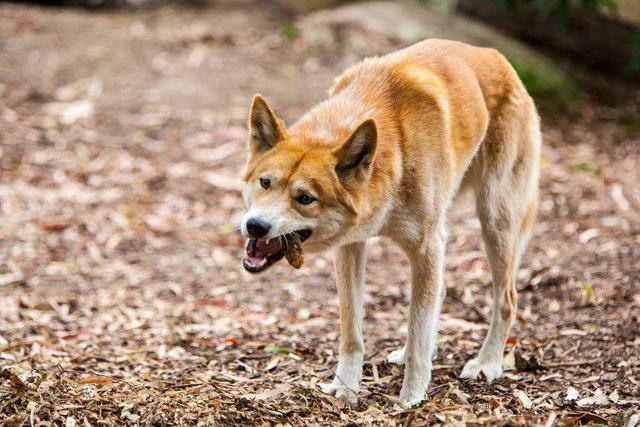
(180, 386)
(571, 363)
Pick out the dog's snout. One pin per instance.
(257, 227)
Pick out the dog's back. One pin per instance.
(438, 105)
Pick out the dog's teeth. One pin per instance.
(268, 241)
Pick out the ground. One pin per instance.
(122, 298)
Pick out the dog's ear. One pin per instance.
(356, 154)
(265, 128)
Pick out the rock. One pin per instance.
(347, 31)
(122, 4)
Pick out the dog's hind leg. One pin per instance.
(505, 177)
(350, 263)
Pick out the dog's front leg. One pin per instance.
(350, 271)
(427, 262)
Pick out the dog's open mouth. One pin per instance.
(263, 253)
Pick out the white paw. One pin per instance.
(338, 389)
(415, 383)
(396, 357)
(492, 370)
(411, 395)
(346, 383)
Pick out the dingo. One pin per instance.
(386, 154)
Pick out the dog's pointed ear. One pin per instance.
(356, 154)
(265, 128)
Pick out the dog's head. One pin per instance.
(300, 184)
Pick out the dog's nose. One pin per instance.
(257, 228)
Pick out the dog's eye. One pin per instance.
(305, 199)
(265, 183)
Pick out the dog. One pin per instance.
(386, 154)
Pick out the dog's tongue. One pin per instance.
(259, 249)
(268, 247)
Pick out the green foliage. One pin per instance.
(277, 350)
(633, 68)
(561, 11)
(631, 125)
(290, 31)
(586, 167)
(563, 7)
(546, 83)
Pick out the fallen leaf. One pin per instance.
(81, 335)
(93, 379)
(509, 361)
(14, 380)
(11, 279)
(614, 396)
(588, 295)
(571, 332)
(588, 235)
(618, 197)
(583, 418)
(54, 226)
(599, 398)
(273, 362)
(270, 394)
(68, 113)
(572, 394)
(177, 353)
(233, 340)
(634, 420)
(461, 396)
(303, 314)
(523, 398)
(219, 302)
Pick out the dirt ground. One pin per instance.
(122, 298)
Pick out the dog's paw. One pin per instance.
(339, 390)
(411, 395)
(414, 385)
(492, 370)
(396, 357)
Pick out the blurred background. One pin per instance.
(122, 137)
